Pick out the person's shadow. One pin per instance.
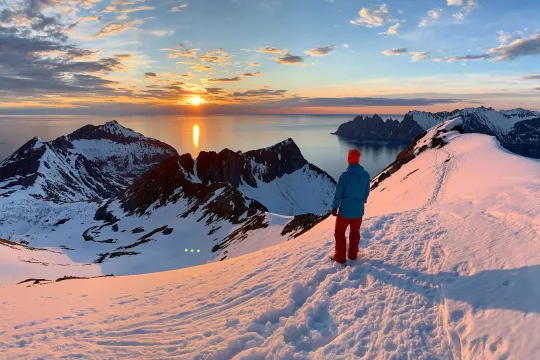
(511, 289)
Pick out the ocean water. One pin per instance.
(192, 134)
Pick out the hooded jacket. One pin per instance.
(352, 192)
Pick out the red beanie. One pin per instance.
(353, 157)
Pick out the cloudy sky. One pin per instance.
(267, 56)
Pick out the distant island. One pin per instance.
(375, 128)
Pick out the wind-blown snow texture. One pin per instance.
(452, 271)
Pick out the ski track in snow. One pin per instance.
(369, 305)
(322, 302)
(425, 290)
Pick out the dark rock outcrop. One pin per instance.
(169, 182)
(302, 224)
(375, 128)
(20, 169)
(267, 164)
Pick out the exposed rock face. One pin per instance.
(278, 176)
(168, 182)
(21, 168)
(302, 224)
(265, 164)
(94, 162)
(511, 127)
(526, 132)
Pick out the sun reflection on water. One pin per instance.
(196, 135)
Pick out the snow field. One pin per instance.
(301, 192)
(290, 301)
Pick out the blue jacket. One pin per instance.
(352, 192)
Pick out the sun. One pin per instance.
(196, 100)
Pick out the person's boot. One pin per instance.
(334, 260)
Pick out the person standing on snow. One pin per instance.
(352, 192)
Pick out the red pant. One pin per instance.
(341, 241)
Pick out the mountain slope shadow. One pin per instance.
(511, 289)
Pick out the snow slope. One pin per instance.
(131, 244)
(304, 191)
(19, 262)
(452, 271)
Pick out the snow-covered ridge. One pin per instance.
(427, 120)
(111, 129)
(434, 138)
(450, 241)
(502, 120)
(521, 113)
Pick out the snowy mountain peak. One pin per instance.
(427, 119)
(477, 109)
(284, 143)
(37, 142)
(111, 130)
(115, 128)
(93, 162)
